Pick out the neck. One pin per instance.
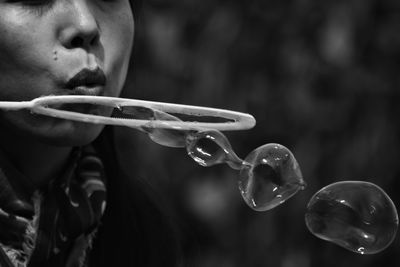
(37, 161)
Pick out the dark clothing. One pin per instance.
(54, 226)
(134, 230)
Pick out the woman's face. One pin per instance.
(44, 44)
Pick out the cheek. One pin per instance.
(17, 34)
(118, 41)
(11, 47)
(22, 63)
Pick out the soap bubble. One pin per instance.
(164, 136)
(358, 216)
(269, 176)
(211, 147)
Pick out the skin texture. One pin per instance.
(43, 44)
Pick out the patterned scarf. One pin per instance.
(55, 226)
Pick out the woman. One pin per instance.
(63, 199)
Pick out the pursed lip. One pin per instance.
(87, 79)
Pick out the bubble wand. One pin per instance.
(50, 106)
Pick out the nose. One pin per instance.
(80, 28)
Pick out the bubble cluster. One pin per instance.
(358, 216)
(269, 175)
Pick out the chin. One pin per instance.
(50, 131)
(68, 133)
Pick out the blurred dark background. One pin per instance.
(320, 77)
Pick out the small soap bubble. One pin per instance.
(165, 136)
(211, 147)
(358, 216)
(269, 176)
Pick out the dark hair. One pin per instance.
(134, 230)
(136, 6)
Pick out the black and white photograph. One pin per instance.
(199, 133)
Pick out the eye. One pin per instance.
(36, 6)
(33, 3)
